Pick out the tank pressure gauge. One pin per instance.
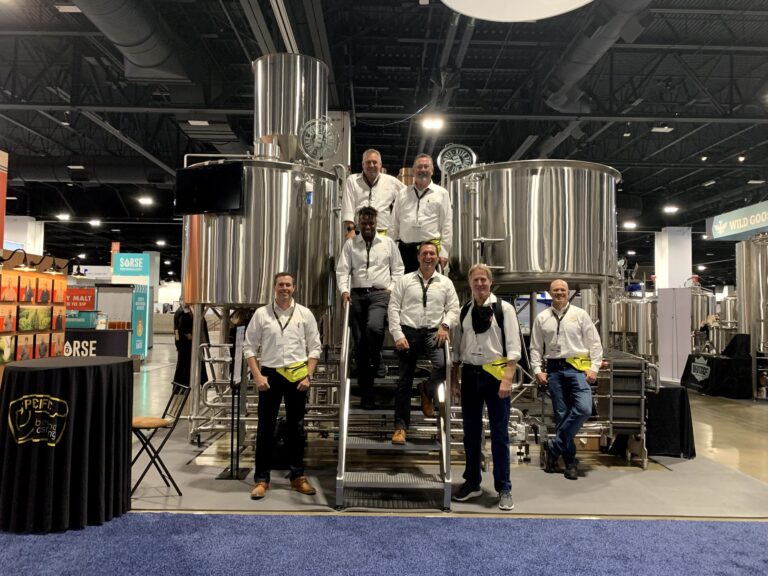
(319, 139)
(455, 157)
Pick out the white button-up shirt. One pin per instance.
(406, 305)
(423, 215)
(577, 336)
(381, 196)
(276, 347)
(379, 267)
(479, 349)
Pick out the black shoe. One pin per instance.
(571, 471)
(550, 458)
(467, 492)
(381, 371)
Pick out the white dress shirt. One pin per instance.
(577, 336)
(479, 349)
(381, 196)
(406, 305)
(423, 215)
(380, 267)
(276, 347)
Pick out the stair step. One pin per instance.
(364, 443)
(393, 480)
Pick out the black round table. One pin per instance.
(65, 442)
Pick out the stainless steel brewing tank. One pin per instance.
(729, 311)
(752, 286)
(646, 311)
(533, 220)
(703, 304)
(287, 225)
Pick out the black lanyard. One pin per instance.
(418, 202)
(368, 246)
(370, 188)
(560, 318)
(283, 326)
(424, 289)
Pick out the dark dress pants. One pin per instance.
(367, 319)
(409, 254)
(269, 405)
(422, 343)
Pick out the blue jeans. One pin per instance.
(422, 343)
(478, 387)
(572, 405)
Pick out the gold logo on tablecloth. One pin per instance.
(38, 418)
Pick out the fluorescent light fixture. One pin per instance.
(627, 134)
(115, 230)
(701, 267)
(704, 158)
(670, 209)
(662, 129)
(63, 216)
(167, 262)
(95, 222)
(160, 242)
(631, 252)
(755, 181)
(11, 198)
(630, 225)
(81, 256)
(67, 8)
(506, 11)
(170, 272)
(432, 122)
(704, 237)
(710, 254)
(198, 122)
(75, 167)
(146, 201)
(64, 122)
(709, 183)
(741, 158)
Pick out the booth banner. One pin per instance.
(81, 298)
(739, 224)
(140, 320)
(96, 343)
(3, 190)
(130, 265)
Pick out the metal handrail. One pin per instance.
(444, 393)
(343, 407)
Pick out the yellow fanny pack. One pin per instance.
(496, 368)
(580, 363)
(294, 372)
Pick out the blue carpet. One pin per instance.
(188, 544)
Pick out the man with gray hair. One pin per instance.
(422, 213)
(487, 340)
(369, 188)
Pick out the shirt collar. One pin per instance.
(279, 310)
(488, 301)
(435, 275)
(370, 184)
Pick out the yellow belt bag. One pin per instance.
(580, 363)
(294, 372)
(496, 368)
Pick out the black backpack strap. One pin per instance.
(498, 312)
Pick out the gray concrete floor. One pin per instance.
(728, 479)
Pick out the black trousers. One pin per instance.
(422, 343)
(409, 253)
(367, 320)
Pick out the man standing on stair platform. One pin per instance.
(566, 337)
(285, 333)
(487, 338)
(423, 308)
(372, 263)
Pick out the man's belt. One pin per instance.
(557, 364)
(367, 290)
(427, 330)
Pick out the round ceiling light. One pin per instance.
(506, 11)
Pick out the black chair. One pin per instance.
(154, 432)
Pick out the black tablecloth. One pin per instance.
(65, 442)
(669, 427)
(718, 375)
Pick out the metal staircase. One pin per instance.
(355, 439)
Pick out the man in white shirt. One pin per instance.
(422, 213)
(285, 334)
(372, 263)
(422, 309)
(369, 188)
(566, 337)
(488, 352)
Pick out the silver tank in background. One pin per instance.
(729, 314)
(534, 220)
(634, 327)
(286, 226)
(703, 304)
(752, 286)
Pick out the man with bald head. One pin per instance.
(566, 354)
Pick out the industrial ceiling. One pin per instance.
(96, 98)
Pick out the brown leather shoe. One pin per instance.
(259, 491)
(302, 485)
(399, 436)
(427, 408)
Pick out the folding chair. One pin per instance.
(145, 428)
